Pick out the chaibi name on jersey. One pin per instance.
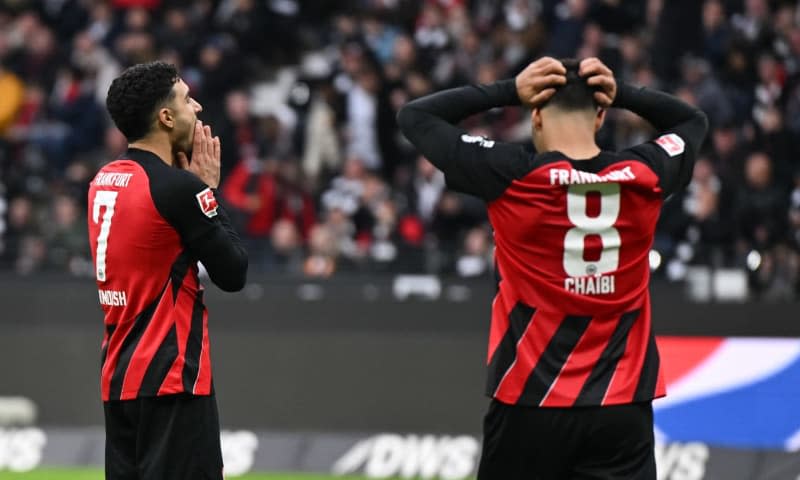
(589, 277)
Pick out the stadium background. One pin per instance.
(363, 328)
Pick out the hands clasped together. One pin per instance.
(205, 161)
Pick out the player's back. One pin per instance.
(572, 311)
(147, 281)
(574, 235)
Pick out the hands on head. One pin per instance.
(205, 161)
(538, 82)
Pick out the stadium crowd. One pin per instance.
(304, 96)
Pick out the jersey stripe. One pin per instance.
(159, 367)
(553, 359)
(627, 374)
(646, 387)
(594, 390)
(194, 345)
(518, 322)
(129, 344)
(203, 382)
(106, 341)
(178, 273)
(148, 345)
(578, 367)
(528, 352)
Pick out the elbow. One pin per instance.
(405, 120)
(237, 278)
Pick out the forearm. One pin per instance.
(456, 104)
(223, 255)
(664, 111)
(429, 122)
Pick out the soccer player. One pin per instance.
(153, 215)
(572, 364)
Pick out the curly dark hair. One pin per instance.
(575, 94)
(135, 95)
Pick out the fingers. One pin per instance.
(604, 82)
(549, 65)
(198, 147)
(216, 148)
(593, 66)
(552, 80)
(543, 96)
(603, 99)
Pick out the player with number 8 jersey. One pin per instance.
(573, 228)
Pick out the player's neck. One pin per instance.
(576, 152)
(571, 133)
(575, 143)
(162, 150)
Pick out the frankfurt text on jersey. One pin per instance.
(563, 176)
(112, 179)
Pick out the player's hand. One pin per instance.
(598, 75)
(205, 156)
(538, 82)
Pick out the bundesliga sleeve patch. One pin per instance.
(208, 204)
(671, 143)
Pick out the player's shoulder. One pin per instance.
(667, 145)
(169, 180)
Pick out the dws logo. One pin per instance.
(411, 456)
(238, 451)
(681, 461)
(21, 448)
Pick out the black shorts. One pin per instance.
(173, 437)
(528, 443)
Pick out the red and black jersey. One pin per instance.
(149, 225)
(570, 323)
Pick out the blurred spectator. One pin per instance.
(67, 244)
(476, 257)
(427, 187)
(761, 206)
(262, 193)
(12, 92)
(287, 248)
(321, 261)
(321, 146)
(236, 130)
(717, 32)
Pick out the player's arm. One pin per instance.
(471, 164)
(202, 223)
(673, 158)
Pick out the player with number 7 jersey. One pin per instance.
(573, 228)
(153, 216)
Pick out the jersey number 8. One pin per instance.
(108, 199)
(602, 225)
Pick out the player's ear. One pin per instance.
(166, 117)
(536, 118)
(599, 119)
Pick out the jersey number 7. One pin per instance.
(103, 198)
(601, 225)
